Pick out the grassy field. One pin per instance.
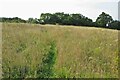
(79, 52)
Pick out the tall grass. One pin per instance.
(82, 52)
(48, 61)
(0, 50)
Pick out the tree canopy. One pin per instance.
(65, 19)
(104, 20)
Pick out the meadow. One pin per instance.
(56, 51)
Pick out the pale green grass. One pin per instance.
(82, 51)
(0, 50)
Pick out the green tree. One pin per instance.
(45, 18)
(104, 19)
(60, 17)
(66, 19)
(32, 20)
(75, 19)
(115, 25)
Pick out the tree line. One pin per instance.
(104, 20)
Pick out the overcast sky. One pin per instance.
(33, 8)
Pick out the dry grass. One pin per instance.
(82, 51)
(0, 50)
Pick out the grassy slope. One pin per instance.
(82, 51)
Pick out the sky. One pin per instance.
(119, 11)
(33, 8)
